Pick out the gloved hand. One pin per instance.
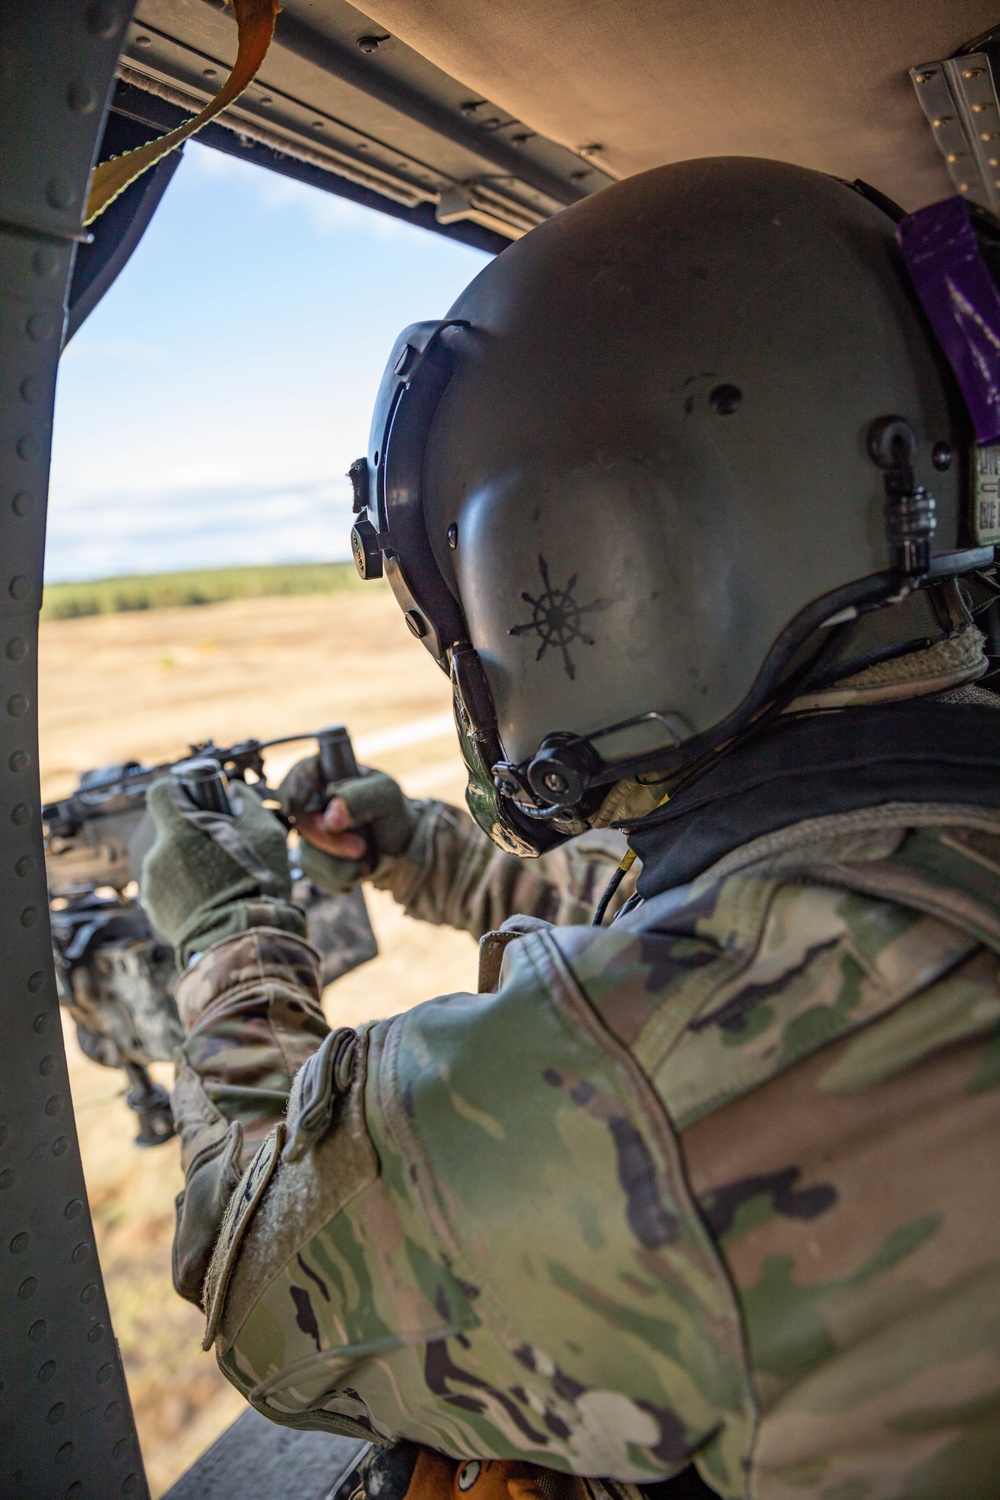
(331, 856)
(207, 877)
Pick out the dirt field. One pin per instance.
(142, 686)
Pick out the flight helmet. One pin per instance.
(657, 453)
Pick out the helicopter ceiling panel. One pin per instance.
(823, 83)
(338, 91)
(503, 114)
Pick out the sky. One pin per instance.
(209, 407)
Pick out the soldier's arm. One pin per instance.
(436, 862)
(452, 875)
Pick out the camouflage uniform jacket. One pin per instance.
(719, 1181)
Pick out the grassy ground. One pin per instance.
(103, 596)
(143, 685)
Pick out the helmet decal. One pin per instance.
(556, 618)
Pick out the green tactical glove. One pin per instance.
(378, 810)
(208, 877)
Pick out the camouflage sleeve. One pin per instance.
(452, 875)
(398, 1275)
(250, 1006)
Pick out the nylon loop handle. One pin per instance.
(255, 22)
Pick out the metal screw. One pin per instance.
(941, 454)
(724, 399)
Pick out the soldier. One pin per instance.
(717, 1183)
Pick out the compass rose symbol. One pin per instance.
(556, 618)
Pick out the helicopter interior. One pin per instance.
(469, 119)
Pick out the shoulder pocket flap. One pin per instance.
(241, 1209)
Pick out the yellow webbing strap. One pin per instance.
(255, 20)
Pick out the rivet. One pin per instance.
(20, 814)
(941, 455)
(19, 1243)
(24, 866)
(29, 917)
(114, 1409)
(521, 139)
(144, 41)
(995, 161)
(17, 648)
(130, 1484)
(47, 1371)
(17, 705)
(371, 43)
(452, 536)
(963, 187)
(977, 109)
(103, 20)
(96, 1334)
(27, 1288)
(19, 761)
(590, 150)
(470, 106)
(75, 1490)
(724, 399)
(925, 77)
(27, 447)
(19, 587)
(35, 982)
(38, 1329)
(945, 120)
(970, 72)
(59, 193)
(87, 1295)
(39, 1024)
(52, 1107)
(319, 124)
(29, 389)
(73, 1209)
(7, 1177)
(80, 97)
(65, 1453)
(121, 1448)
(953, 156)
(105, 1373)
(988, 135)
(60, 1145)
(579, 176)
(57, 1412)
(79, 1252)
(46, 1066)
(210, 72)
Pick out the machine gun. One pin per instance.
(115, 973)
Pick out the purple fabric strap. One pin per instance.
(961, 299)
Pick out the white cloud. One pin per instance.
(103, 534)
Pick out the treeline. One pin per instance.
(67, 601)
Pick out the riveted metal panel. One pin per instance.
(66, 1426)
